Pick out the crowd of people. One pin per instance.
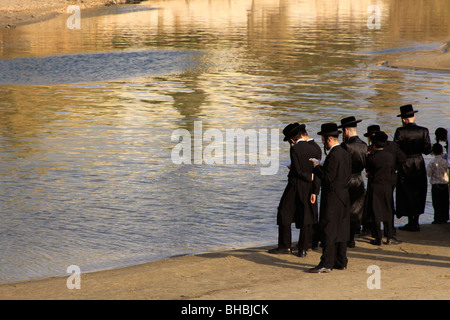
(347, 206)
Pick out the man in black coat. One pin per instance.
(334, 220)
(309, 229)
(295, 204)
(398, 158)
(380, 170)
(358, 150)
(411, 192)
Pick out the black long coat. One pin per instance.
(334, 220)
(398, 158)
(295, 205)
(358, 151)
(380, 167)
(411, 192)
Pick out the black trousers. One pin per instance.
(307, 239)
(388, 229)
(284, 236)
(334, 255)
(440, 199)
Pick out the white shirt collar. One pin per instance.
(333, 147)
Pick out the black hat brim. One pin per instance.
(407, 114)
(349, 124)
(329, 133)
(293, 132)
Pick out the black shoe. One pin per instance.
(301, 253)
(393, 241)
(376, 242)
(410, 227)
(280, 251)
(319, 270)
(351, 244)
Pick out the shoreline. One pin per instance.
(417, 269)
(430, 60)
(16, 13)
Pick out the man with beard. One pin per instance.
(411, 193)
(334, 220)
(358, 150)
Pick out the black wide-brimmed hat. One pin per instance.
(379, 139)
(371, 130)
(329, 129)
(406, 111)
(291, 130)
(349, 122)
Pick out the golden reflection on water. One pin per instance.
(88, 163)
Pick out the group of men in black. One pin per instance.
(347, 208)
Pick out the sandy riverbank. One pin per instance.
(432, 60)
(419, 268)
(14, 13)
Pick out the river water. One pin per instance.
(90, 119)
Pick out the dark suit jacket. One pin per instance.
(380, 167)
(334, 214)
(398, 158)
(358, 151)
(295, 205)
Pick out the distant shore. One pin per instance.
(417, 269)
(432, 60)
(15, 13)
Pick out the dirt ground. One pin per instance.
(417, 269)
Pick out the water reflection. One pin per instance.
(85, 167)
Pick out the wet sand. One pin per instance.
(432, 60)
(417, 269)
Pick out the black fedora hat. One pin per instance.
(349, 122)
(406, 111)
(329, 129)
(291, 130)
(371, 130)
(379, 139)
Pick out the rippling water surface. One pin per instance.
(87, 117)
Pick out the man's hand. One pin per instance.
(314, 161)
